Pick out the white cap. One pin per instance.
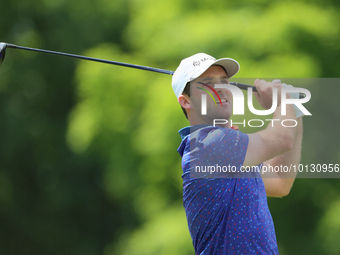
(192, 67)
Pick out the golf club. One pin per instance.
(4, 46)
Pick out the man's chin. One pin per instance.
(222, 115)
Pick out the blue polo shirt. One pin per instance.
(226, 215)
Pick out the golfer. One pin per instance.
(228, 213)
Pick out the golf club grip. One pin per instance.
(246, 86)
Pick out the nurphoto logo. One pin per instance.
(238, 100)
(238, 104)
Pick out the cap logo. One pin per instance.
(198, 62)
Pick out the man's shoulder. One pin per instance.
(191, 129)
(211, 135)
(213, 132)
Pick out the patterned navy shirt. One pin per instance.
(225, 215)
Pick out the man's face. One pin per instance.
(206, 82)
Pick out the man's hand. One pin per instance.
(264, 93)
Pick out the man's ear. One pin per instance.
(184, 101)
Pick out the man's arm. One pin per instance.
(280, 184)
(275, 139)
(276, 144)
(272, 141)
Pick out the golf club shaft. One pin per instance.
(243, 86)
(146, 68)
(246, 86)
(93, 59)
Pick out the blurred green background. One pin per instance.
(88, 160)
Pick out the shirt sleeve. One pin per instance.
(217, 152)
